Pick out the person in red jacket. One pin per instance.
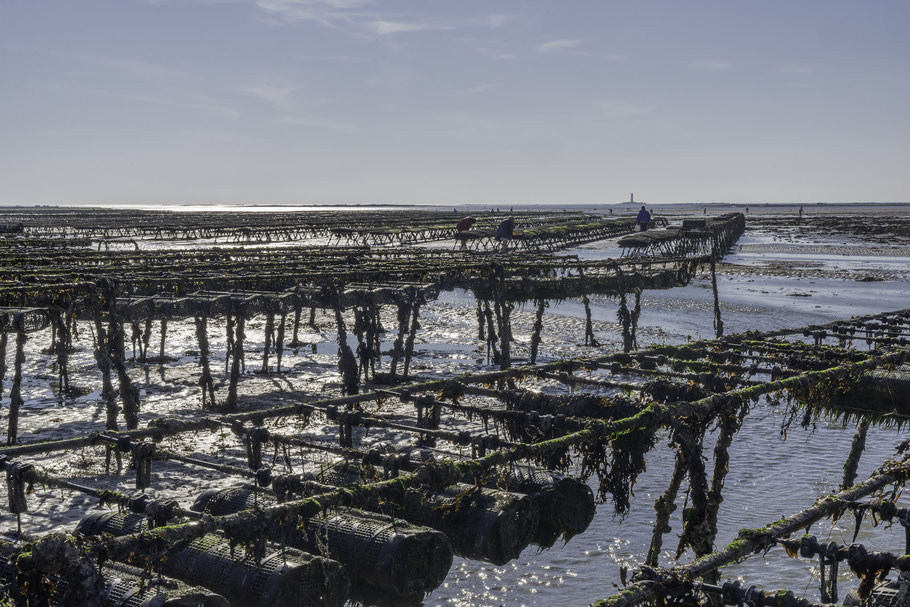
(463, 226)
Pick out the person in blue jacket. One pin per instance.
(643, 219)
(504, 232)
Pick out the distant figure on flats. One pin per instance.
(704, 211)
(800, 212)
(464, 226)
(504, 232)
(643, 219)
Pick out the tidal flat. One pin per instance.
(783, 271)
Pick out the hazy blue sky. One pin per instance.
(335, 101)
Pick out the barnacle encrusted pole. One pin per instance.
(367, 329)
(235, 348)
(412, 334)
(205, 379)
(729, 424)
(104, 362)
(146, 339)
(689, 435)
(662, 582)
(857, 445)
(590, 340)
(347, 364)
(502, 307)
(15, 392)
(491, 340)
(625, 321)
(664, 506)
(161, 345)
(363, 353)
(279, 339)
(136, 338)
(503, 310)
(61, 347)
(268, 334)
(3, 343)
(374, 337)
(628, 320)
(405, 302)
(542, 304)
(129, 392)
(481, 320)
(229, 340)
(718, 322)
(52, 345)
(298, 310)
(700, 520)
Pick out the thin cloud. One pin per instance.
(141, 70)
(363, 13)
(385, 28)
(285, 107)
(796, 69)
(197, 102)
(369, 17)
(497, 20)
(560, 44)
(710, 65)
(321, 6)
(161, 84)
(279, 96)
(323, 11)
(179, 2)
(573, 46)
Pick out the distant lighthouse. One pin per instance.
(632, 198)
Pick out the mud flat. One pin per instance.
(775, 276)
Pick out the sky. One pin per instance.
(467, 101)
